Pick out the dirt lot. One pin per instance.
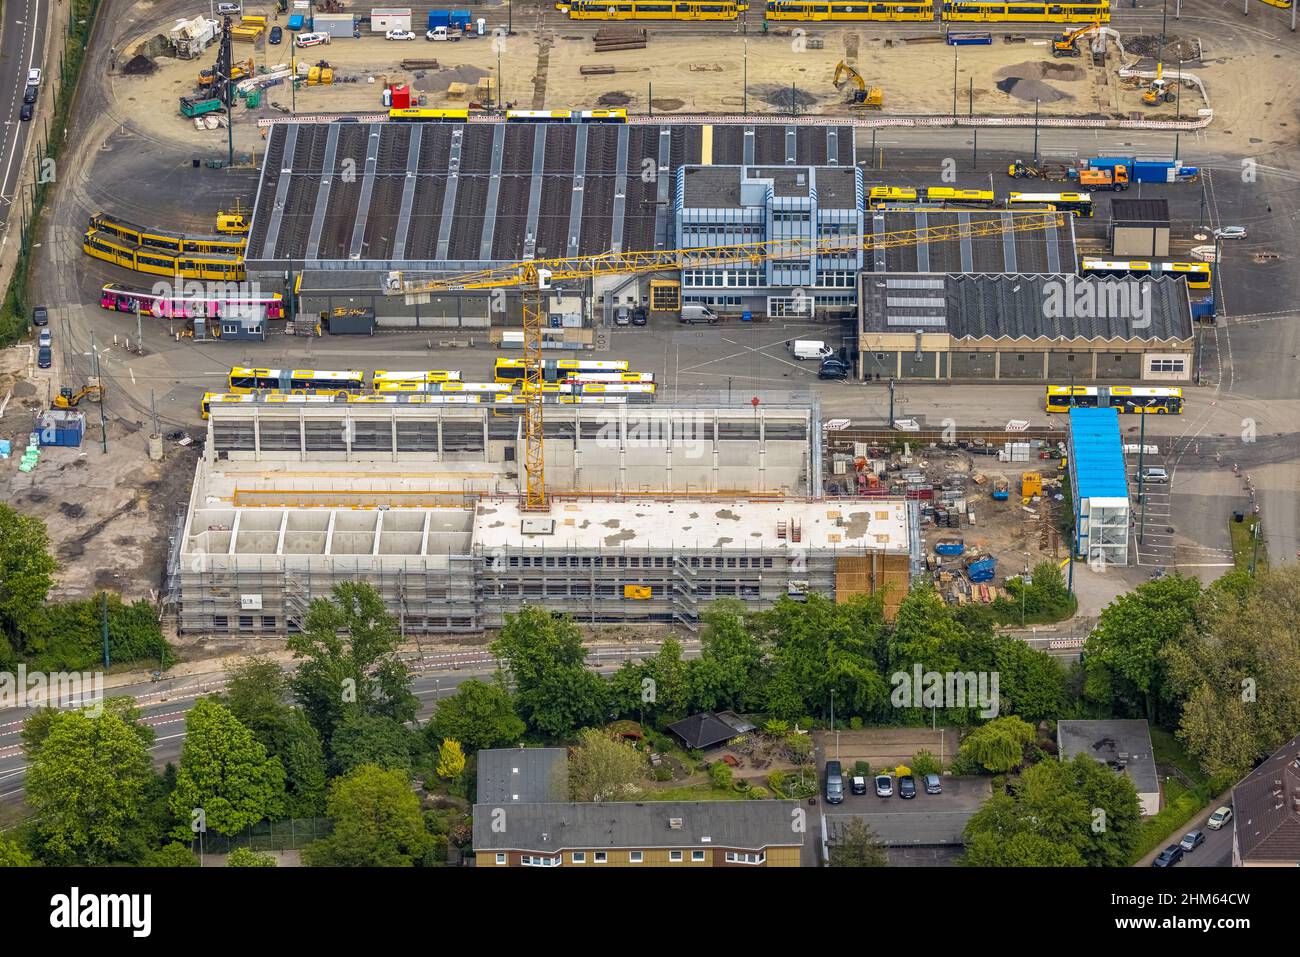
(108, 516)
(886, 747)
(687, 73)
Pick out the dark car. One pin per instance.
(40, 316)
(44, 357)
(25, 111)
(833, 369)
(1192, 840)
(639, 316)
(858, 784)
(31, 93)
(1170, 856)
(275, 36)
(907, 786)
(834, 783)
(933, 785)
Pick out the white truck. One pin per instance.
(810, 349)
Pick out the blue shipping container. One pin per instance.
(968, 39)
(460, 18)
(1109, 162)
(295, 22)
(439, 18)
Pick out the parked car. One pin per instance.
(1192, 840)
(933, 785)
(834, 369)
(275, 36)
(311, 39)
(639, 316)
(25, 111)
(46, 339)
(834, 783)
(884, 785)
(44, 357)
(1170, 856)
(399, 35)
(40, 316)
(622, 316)
(907, 786)
(442, 33)
(1230, 232)
(230, 8)
(33, 77)
(858, 783)
(1154, 475)
(696, 313)
(1219, 818)
(31, 93)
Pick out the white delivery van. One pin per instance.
(693, 312)
(810, 349)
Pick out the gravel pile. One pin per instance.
(1030, 89)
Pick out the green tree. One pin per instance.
(348, 654)
(604, 767)
(451, 760)
(377, 822)
(256, 693)
(1031, 683)
(225, 773)
(480, 715)
(987, 849)
(244, 857)
(172, 854)
(88, 785)
(26, 567)
(371, 739)
(730, 672)
(855, 845)
(1134, 634)
(544, 656)
(998, 746)
(720, 776)
(13, 854)
(923, 763)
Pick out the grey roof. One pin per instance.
(707, 728)
(1112, 742)
(711, 187)
(1131, 212)
(1266, 808)
(718, 186)
(551, 828)
(836, 188)
(792, 181)
(1048, 250)
(522, 775)
(1007, 306)
(903, 829)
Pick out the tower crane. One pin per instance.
(535, 276)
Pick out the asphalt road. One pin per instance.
(22, 46)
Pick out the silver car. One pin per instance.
(1230, 232)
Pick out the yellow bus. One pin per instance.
(610, 377)
(1198, 275)
(296, 380)
(960, 197)
(1078, 203)
(263, 396)
(418, 114)
(555, 370)
(596, 388)
(386, 376)
(877, 10)
(652, 10)
(893, 194)
(156, 261)
(161, 239)
(438, 388)
(1154, 400)
(1026, 12)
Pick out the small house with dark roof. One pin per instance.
(1124, 745)
(709, 729)
(1266, 812)
(1139, 228)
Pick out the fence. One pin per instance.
(291, 835)
(76, 37)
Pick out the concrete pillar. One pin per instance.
(997, 363)
(155, 447)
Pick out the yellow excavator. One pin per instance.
(237, 72)
(1160, 90)
(67, 399)
(863, 96)
(1066, 43)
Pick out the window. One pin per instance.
(580, 857)
(635, 857)
(675, 857)
(697, 856)
(220, 621)
(1167, 365)
(601, 857)
(501, 858)
(245, 621)
(734, 857)
(1119, 358)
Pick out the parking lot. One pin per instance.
(926, 821)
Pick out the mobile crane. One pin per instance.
(534, 277)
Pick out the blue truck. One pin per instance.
(1147, 170)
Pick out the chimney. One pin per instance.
(675, 823)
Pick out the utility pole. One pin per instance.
(890, 423)
(103, 607)
(744, 81)
(103, 420)
(1254, 554)
(1142, 502)
(954, 86)
(1037, 101)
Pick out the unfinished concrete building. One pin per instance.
(656, 511)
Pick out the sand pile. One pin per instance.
(140, 65)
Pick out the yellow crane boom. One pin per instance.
(535, 275)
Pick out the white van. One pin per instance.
(693, 312)
(311, 39)
(810, 349)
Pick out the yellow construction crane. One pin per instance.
(1064, 45)
(534, 277)
(862, 95)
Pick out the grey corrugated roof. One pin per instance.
(1149, 211)
(711, 187)
(1109, 741)
(1005, 306)
(1266, 808)
(522, 775)
(551, 828)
